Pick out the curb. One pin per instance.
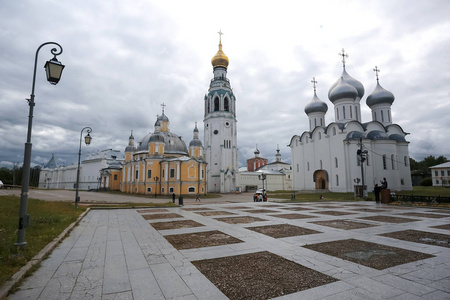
(19, 275)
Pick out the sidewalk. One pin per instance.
(118, 254)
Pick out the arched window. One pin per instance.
(382, 116)
(337, 180)
(405, 160)
(343, 111)
(227, 105)
(336, 162)
(208, 105)
(384, 163)
(216, 104)
(351, 112)
(191, 190)
(393, 162)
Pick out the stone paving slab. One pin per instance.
(117, 254)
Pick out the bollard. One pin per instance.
(180, 200)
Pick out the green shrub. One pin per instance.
(426, 182)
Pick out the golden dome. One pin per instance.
(220, 59)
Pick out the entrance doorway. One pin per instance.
(321, 179)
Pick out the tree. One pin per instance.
(6, 175)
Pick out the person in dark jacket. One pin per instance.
(376, 192)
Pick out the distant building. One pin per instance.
(277, 174)
(440, 174)
(54, 176)
(256, 162)
(328, 156)
(161, 164)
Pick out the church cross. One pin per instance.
(220, 35)
(314, 81)
(163, 105)
(344, 56)
(376, 72)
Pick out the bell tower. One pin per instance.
(221, 152)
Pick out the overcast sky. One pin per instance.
(124, 58)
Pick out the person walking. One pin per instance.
(173, 198)
(197, 199)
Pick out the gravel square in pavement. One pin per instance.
(200, 239)
(368, 254)
(260, 275)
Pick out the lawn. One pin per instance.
(48, 220)
(328, 196)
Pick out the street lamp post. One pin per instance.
(362, 157)
(87, 141)
(53, 69)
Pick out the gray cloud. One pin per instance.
(123, 60)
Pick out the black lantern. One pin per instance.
(87, 139)
(54, 69)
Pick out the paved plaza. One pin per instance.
(348, 250)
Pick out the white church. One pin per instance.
(347, 152)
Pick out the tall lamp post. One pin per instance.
(53, 69)
(362, 157)
(87, 141)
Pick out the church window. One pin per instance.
(149, 189)
(307, 165)
(226, 104)
(163, 173)
(298, 168)
(382, 116)
(337, 113)
(351, 112)
(115, 176)
(374, 116)
(208, 106)
(393, 162)
(149, 173)
(405, 161)
(171, 190)
(216, 131)
(384, 163)
(343, 112)
(203, 174)
(216, 104)
(137, 175)
(172, 173)
(336, 162)
(321, 122)
(402, 181)
(191, 190)
(320, 135)
(315, 122)
(337, 180)
(389, 115)
(356, 113)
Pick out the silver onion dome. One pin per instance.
(380, 96)
(316, 105)
(342, 90)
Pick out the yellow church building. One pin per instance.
(161, 164)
